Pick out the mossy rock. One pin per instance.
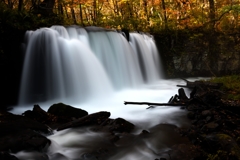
(227, 148)
(229, 144)
(64, 110)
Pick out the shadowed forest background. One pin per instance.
(194, 37)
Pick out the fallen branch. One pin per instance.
(155, 104)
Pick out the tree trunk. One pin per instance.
(60, 8)
(81, 15)
(212, 14)
(20, 5)
(164, 15)
(66, 12)
(73, 16)
(94, 18)
(145, 4)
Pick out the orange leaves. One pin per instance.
(144, 14)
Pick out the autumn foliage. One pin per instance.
(140, 15)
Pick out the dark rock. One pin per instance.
(23, 140)
(20, 133)
(88, 156)
(10, 123)
(114, 138)
(59, 156)
(211, 125)
(206, 113)
(121, 125)
(231, 124)
(185, 152)
(63, 110)
(191, 115)
(195, 107)
(182, 107)
(38, 114)
(7, 156)
(222, 142)
(208, 118)
(144, 132)
(212, 98)
(92, 119)
(228, 144)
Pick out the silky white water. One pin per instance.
(75, 144)
(97, 70)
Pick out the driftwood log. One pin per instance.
(154, 104)
(180, 99)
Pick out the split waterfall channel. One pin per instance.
(97, 70)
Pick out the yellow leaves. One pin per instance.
(150, 13)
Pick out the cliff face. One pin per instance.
(199, 54)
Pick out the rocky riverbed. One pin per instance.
(213, 133)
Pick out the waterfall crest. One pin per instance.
(78, 64)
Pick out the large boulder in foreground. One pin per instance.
(23, 140)
(21, 133)
(63, 110)
(7, 156)
(10, 123)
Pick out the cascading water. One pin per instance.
(97, 70)
(72, 63)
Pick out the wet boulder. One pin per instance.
(7, 156)
(21, 133)
(93, 119)
(221, 145)
(186, 151)
(10, 123)
(38, 114)
(23, 140)
(63, 110)
(121, 125)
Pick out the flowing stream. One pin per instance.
(97, 70)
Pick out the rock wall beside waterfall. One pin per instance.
(187, 54)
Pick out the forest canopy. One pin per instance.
(140, 15)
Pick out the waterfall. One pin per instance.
(97, 70)
(79, 64)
